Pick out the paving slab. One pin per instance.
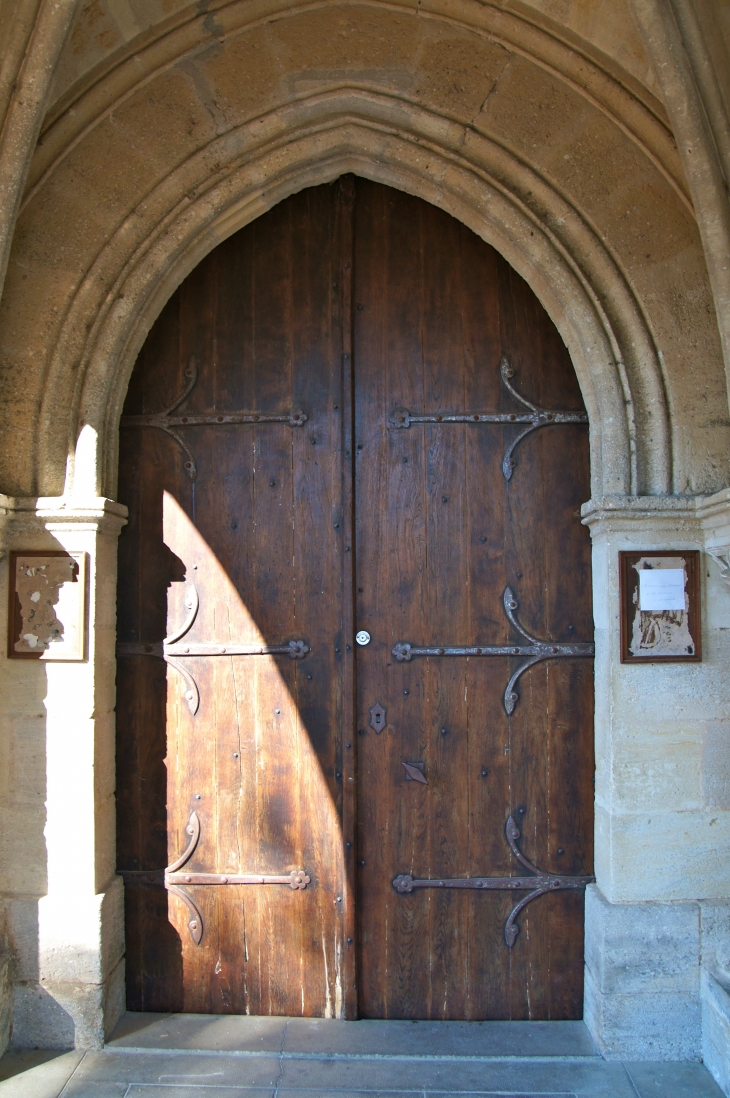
(178, 1068)
(598, 1078)
(36, 1073)
(154, 1091)
(439, 1039)
(673, 1081)
(204, 1032)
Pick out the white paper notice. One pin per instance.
(661, 589)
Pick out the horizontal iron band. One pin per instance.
(295, 649)
(547, 883)
(404, 651)
(293, 419)
(297, 879)
(405, 418)
(229, 878)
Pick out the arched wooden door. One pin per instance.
(354, 423)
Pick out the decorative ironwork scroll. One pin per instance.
(173, 878)
(166, 422)
(535, 417)
(173, 647)
(536, 885)
(533, 652)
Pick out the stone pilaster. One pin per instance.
(662, 792)
(64, 903)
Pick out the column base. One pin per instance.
(642, 979)
(67, 1015)
(716, 1030)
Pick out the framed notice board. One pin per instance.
(660, 606)
(47, 606)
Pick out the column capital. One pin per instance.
(692, 517)
(93, 514)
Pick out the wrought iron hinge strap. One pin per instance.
(537, 884)
(173, 647)
(534, 652)
(296, 650)
(166, 422)
(172, 878)
(535, 417)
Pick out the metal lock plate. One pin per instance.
(362, 637)
(378, 718)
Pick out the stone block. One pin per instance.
(716, 764)
(60, 1015)
(642, 979)
(81, 937)
(656, 767)
(6, 1000)
(716, 1029)
(715, 916)
(22, 924)
(662, 857)
(40, 1019)
(112, 927)
(23, 850)
(115, 997)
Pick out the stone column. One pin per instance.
(662, 793)
(64, 902)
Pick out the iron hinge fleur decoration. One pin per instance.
(537, 884)
(174, 878)
(535, 651)
(721, 556)
(170, 424)
(535, 418)
(172, 648)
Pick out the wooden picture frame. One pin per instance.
(657, 635)
(47, 605)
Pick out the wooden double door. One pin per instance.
(352, 423)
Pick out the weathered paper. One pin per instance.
(50, 590)
(662, 632)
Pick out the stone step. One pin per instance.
(366, 1039)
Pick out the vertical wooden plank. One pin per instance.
(445, 700)
(348, 768)
(488, 763)
(391, 549)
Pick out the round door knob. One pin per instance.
(362, 637)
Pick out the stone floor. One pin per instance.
(195, 1056)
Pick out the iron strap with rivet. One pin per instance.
(166, 422)
(172, 648)
(538, 884)
(534, 652)
(174, 878)
(535, 417)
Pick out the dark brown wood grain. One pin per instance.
(440, 534)
(259, 534)
(347, 301)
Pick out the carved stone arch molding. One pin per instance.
(349, 142)
(145, 237)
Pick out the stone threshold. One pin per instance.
(365, 1039)
(224, 1056)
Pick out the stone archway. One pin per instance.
(551, 154)
(572, 222)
